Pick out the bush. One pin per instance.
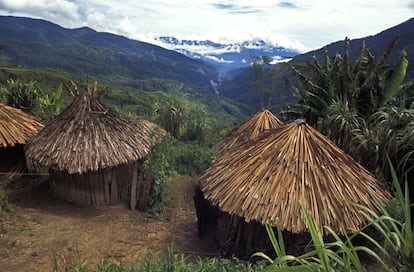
(156, 170)
(191, 158)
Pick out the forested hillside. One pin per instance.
(83, 51)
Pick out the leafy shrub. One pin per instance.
(156, 170)
(191, 158)
(21, 95)
(338, 255)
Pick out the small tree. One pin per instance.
(262, 79)
(173, 113)
(51, 105)
(197, 123)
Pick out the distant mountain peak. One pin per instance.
(226, 57)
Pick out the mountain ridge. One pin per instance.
(377, 44)
(99, 54)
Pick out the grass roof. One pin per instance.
(250, 129)
(265, 179)
(89, 136)
(16, 126)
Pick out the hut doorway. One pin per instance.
(12, 162)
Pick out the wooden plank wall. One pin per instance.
(104, 187)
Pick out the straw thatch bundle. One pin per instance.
(89, 136)
(16, 126)
(250, 129)
(266, 179)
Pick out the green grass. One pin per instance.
(172, 263)
(397, 234)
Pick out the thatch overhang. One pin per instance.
(266, 179)
(16, 126)
(88, 136)
(250, 129)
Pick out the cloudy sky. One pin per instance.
(296, 24)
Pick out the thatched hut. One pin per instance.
(16, 128)
(265, 180)
(93, 153)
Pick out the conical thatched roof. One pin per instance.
(16, 126)
(250, 129)
(89, 136)
(266, 178)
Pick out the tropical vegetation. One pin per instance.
(29, 97)
(365, 107)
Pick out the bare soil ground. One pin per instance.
(42, 230)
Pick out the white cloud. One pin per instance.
(296, 24)
(216, 59)
(126, 27)
(59, 11)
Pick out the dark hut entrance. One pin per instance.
(236, 237)
(12, 162)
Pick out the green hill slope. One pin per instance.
(83, 51)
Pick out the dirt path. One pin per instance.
(42, 230)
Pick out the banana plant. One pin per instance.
(393, 84)
(52, 103)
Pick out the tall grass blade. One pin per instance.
(317, 240)
(406, 232)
